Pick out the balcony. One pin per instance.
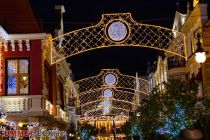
(175, 62)
(25, 105)
(176, 66)
(49, 107)
(61, 114)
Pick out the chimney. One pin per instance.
(61, 10)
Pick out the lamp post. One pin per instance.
(200, 54)
(200, 57)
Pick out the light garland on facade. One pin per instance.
(1, 68)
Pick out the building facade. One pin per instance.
(32, 90)
(34, 93)
(206, 46)
(175, 66)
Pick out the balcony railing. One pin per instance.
(49, 107)
(31, 103)
(25, 104)
(176, 62)
(15, 104)
(61, 114)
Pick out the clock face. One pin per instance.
(110, 79)
(117, 31)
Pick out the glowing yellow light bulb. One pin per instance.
(24, 78)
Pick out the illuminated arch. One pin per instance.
(117, 30)
(121, 92)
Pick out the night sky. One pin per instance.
(83, 13)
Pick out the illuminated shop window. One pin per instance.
(17, 76)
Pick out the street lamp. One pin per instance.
(200, 54)
(200, 57)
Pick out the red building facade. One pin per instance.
(32, 90)
(28, 52)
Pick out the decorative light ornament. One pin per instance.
(106, 110)
(24, 78)
(107, 93)
(117, 31)
(107, 103)
(110, 79)
(71, 135)
(86, 115)
(200, 57)
(175, 123)
(20, 124)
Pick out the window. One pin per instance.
(17, 79)
(190, 48)
(61, 93)
(47, 81)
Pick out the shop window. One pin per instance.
(17, 78)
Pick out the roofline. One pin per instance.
(3, 33)
(30, 36)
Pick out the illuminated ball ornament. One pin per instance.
(200, 57)
(117, 31)
(106, 110)
(107, 103)
(107, 93)
(110, 79)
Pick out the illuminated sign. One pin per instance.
(31, 133)
(17, 133)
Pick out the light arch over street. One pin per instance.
(117, 30)
(110, 93)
